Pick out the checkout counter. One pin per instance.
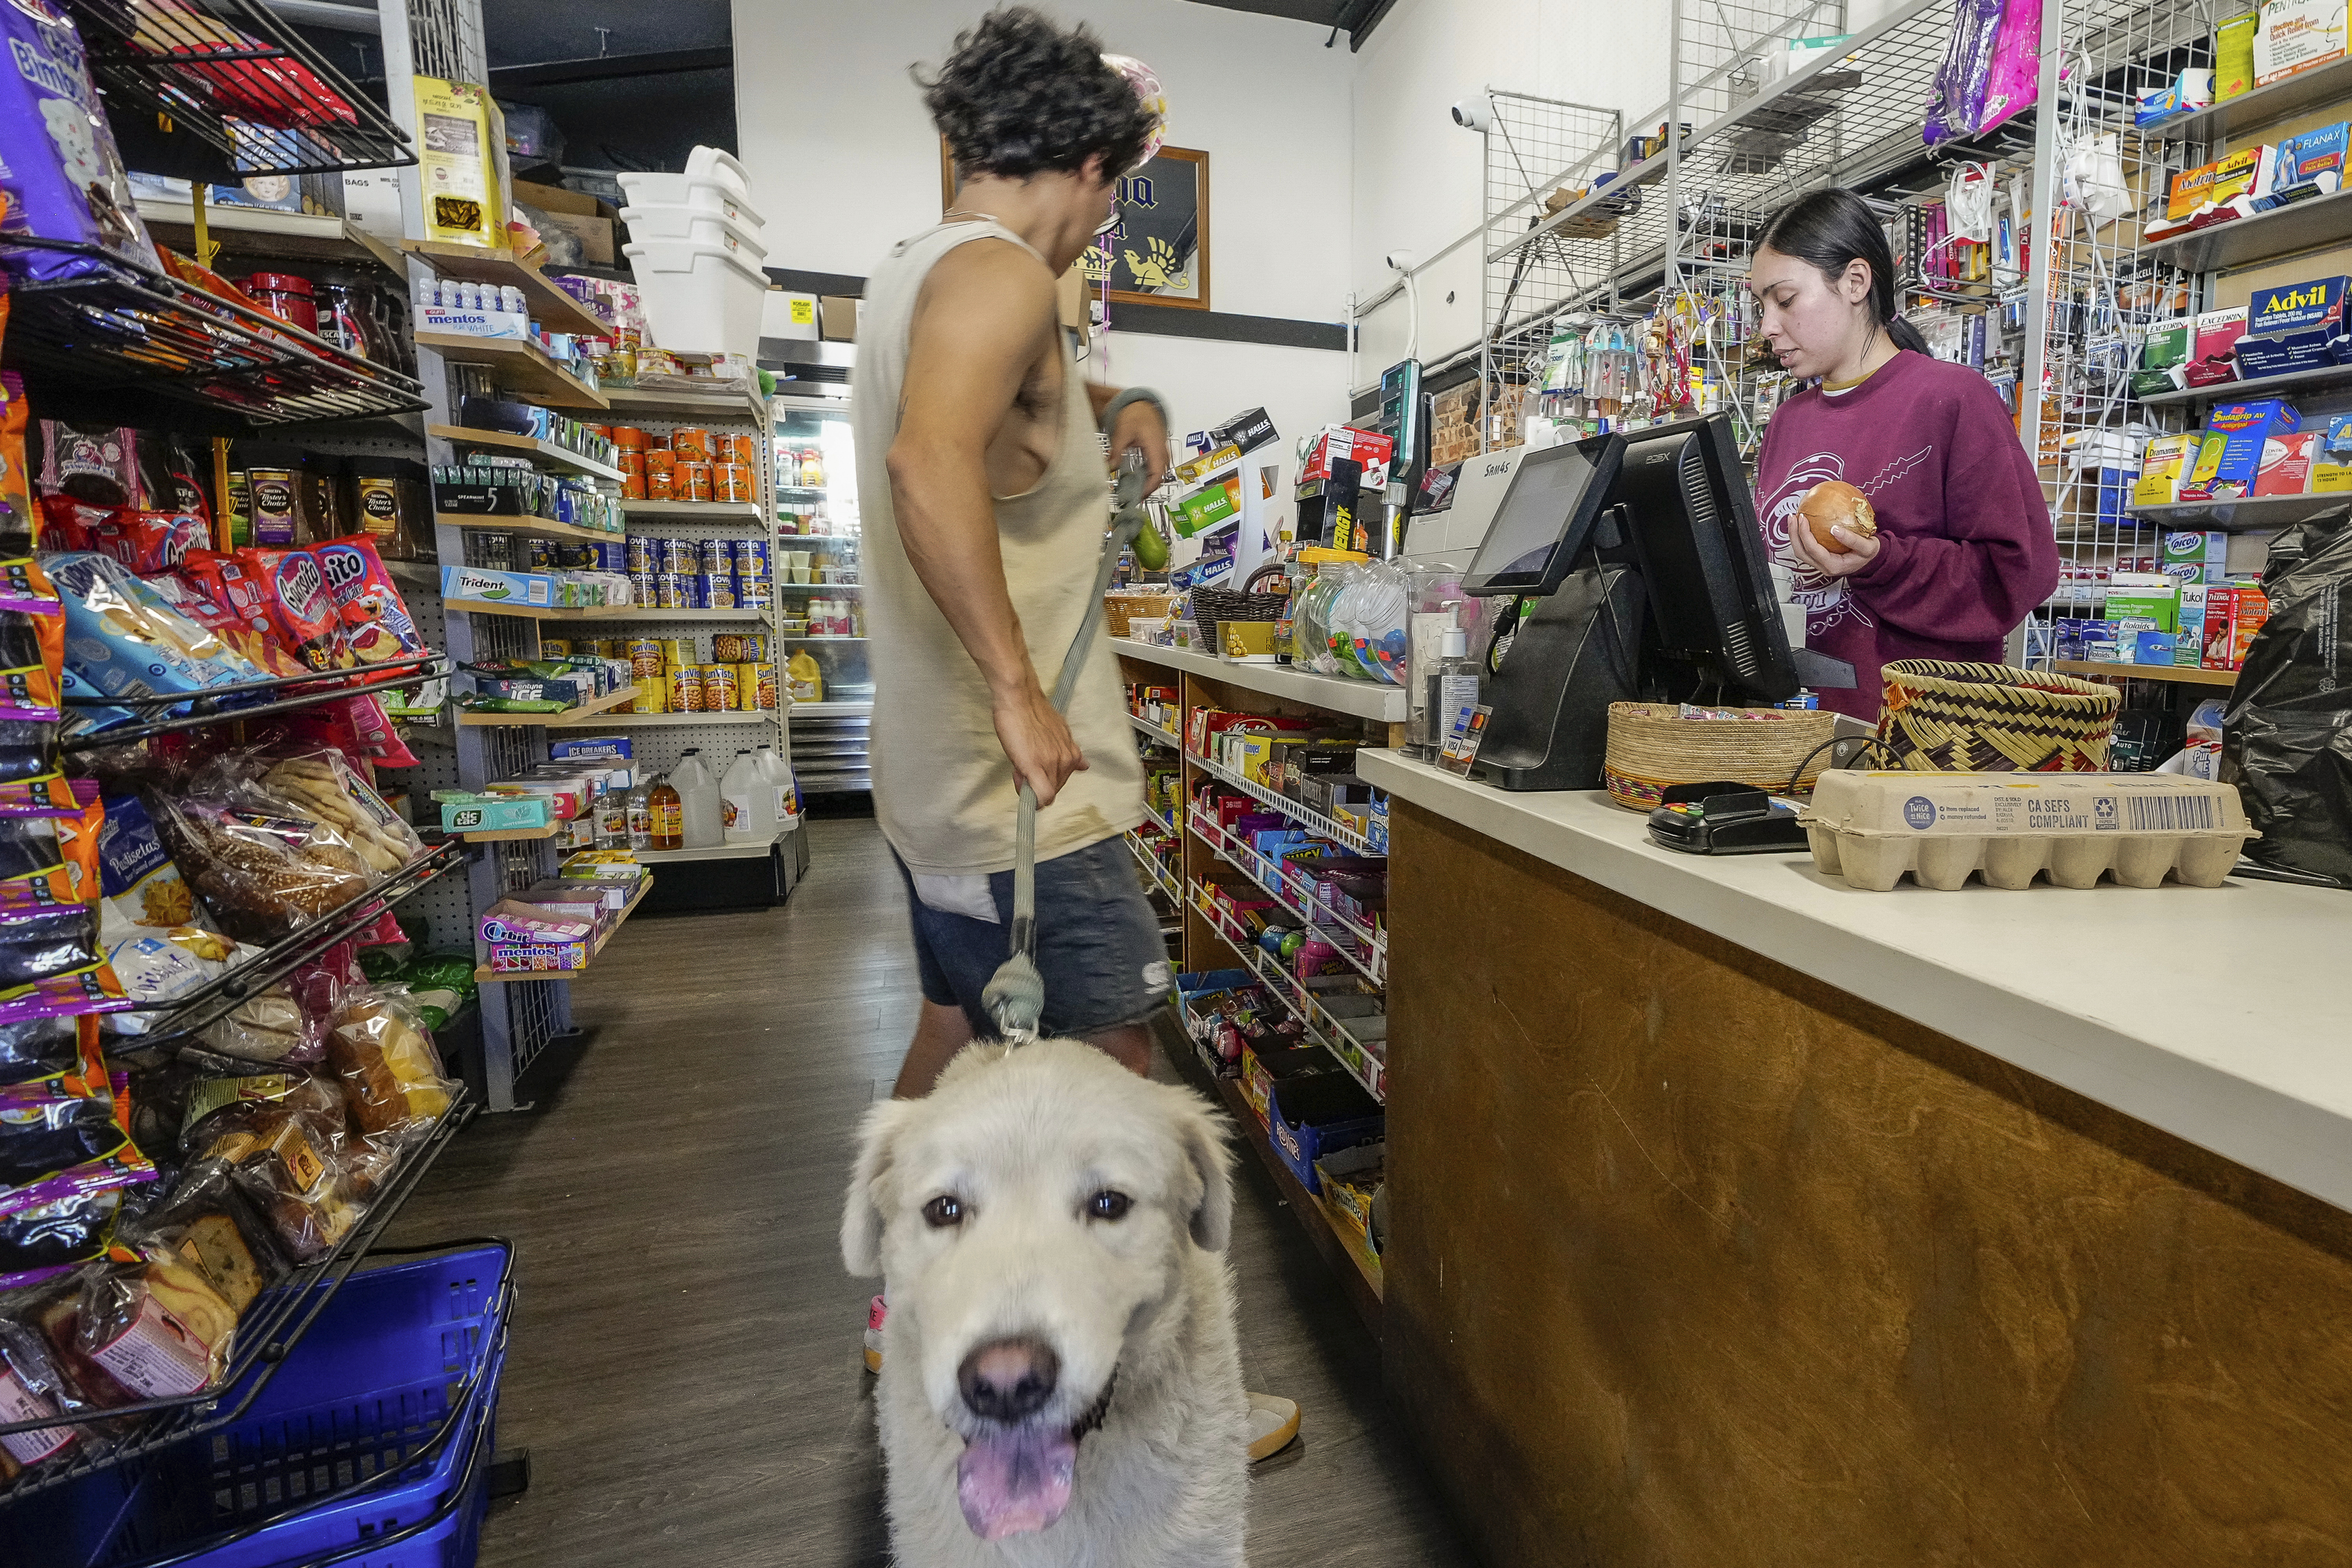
(1737, 1216)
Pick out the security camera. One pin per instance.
(1399, 260)
(1472, 114)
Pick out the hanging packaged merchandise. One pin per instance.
(210, 1222)
(2015, 75)
(170, 479)
(20, 518)
(46, 1240)
(31, 663)
(2287, 734)
(56, 1123)
(97, 464)
(63, 179)
(50, 965)
(122, 638)
(323, 787)
(39, 1047)
(1955, 100)
(148, 542)
(50, 884)
(34, 1385)
(392, 1074)
(262, 867)
(157, 1330)
(239, 612)
(463, 163)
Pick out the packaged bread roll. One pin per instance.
(391, 1073)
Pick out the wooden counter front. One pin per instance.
(1694, 1260)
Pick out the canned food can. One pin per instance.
(752, 593)
(716, 555)
(731, 482)
(677, 555)
(765, 684)
(659, 484)
(693, 590)
(751, 557)
(555, 647)
(747, 450)
(653, 694)
(631, 459)
(685, 687)
(678, 650)
(746, 687)
(690, 443)
(641, 588)
(659, 461)
(670, 590)
(726, 648)
(644, 656)
(642, 554)
(633, 487)
(719, 590)
(629, 437)
(693, 481)
(718, 688)
(757, 648)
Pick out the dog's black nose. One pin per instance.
(1009, 1380)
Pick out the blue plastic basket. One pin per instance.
(370, 1429)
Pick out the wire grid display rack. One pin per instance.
(1537, 149)
(2104, 289)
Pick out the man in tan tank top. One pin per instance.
(981, 473)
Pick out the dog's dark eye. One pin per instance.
(1109, 1204)
(944, 1210)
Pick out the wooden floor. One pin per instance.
(685, 1366)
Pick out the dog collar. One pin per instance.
(1093, 1419)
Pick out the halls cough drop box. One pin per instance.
(1872, 827)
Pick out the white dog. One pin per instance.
(1060, 1381)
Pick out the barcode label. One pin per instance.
(2172, 813)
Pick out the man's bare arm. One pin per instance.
(983, 314)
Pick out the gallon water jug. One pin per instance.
(698, 791)
(780, 784)
(749, 802)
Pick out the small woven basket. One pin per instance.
(1213, 607)
(1120, 608)
(1652, 747)
(1949, 718)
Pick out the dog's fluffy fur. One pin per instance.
(1024, 1138)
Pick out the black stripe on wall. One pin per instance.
(1161, 320)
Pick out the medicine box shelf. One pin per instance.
(2320, 87)
(2253, 511)
(2259, 386)
(548, 305)
(2186, 675)
(2264, 237)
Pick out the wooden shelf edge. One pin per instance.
(569, 391)
(531, 445)
(538, 527)
(2189, 675)
(556, 309)
(569, 718)
(513, 835)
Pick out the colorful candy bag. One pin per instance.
(64, 178)
(302, 605)
(376, 622)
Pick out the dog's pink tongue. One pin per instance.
(1015, 1482)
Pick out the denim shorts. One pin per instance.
(1098, 944)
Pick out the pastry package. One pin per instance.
(272, 1027)
(159, 967)
(324, 786)
(138, 881)
(263, 866)
(279, 1135)
(210, 1222)
(391, 1072)
(33, 1384)
(64, 178)
(157, 1327)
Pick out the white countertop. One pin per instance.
(2222, 1016)
(1358, 699)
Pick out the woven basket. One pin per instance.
(1120, 608)
(1214, 606)
(1653, 748)
(1949, 718)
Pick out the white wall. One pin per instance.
(845, 163)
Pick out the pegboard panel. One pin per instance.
(444, 903)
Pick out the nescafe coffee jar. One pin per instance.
(384, 498)
(287, 297)
(272, 496)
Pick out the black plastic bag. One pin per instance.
(2287, 735)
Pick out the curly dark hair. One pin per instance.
(1021, 95)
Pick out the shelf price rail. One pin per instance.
(305, 690)
(1321, 1027)
(1371, 963)
(1305, 817)
(269, 1329)
(1153, 870)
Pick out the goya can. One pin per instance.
(718, 590)
(670, 590)
(718, 688)
(752, 593)
(680, 556)
(685, 686)
(715, 555)
(644, 553)
(748, 557)
(695, 591)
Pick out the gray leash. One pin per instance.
(1015, 994)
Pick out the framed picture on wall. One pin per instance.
(1158, 251)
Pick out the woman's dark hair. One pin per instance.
(1831, 229)
(1020, 96)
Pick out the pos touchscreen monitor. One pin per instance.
(1546, 518)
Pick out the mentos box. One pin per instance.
(2296, 326)
(2246, 427)
(2309, 165)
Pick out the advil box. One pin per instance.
(2295, 326)
(2246, 427)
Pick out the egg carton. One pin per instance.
(1873, 828)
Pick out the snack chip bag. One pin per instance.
(123, 639)
(18, 527)
(32, 660)
(150, 542)
(238, 610)
(302, 604)
(376, 621)
(64, 178)
(93, 463)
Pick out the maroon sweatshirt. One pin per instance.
(1965, 544)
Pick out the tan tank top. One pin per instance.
(943, 789)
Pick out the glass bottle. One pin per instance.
(641, 817)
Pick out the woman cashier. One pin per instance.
(1962, 548)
